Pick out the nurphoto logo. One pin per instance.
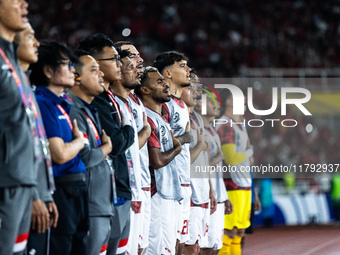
(239, 105)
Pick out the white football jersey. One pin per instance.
(137, 109)
(199, 168)
(178, 119)
(216, 177)
(132, 153)
(167, 179)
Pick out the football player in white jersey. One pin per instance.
(202, 197)
(237, 152)
(173, 66)
(121, 90)
(224, 206)
(134, 55)
(163, 148)
(138, 112)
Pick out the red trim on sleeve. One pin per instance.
(153, 140)
(227, 134)
(165, 113)
(134, 97)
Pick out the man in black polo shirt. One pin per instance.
(118, 128)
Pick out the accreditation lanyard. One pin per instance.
(128, 153)
(113, 179)
(28, 104)
(67, 117)
(113, 100)
(45, 149)
(34, 123)
(94, 129)
(16, 78)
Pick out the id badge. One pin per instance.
(130, 168)
(48, 162)
(113, 179)
(36, 142)
(31, 117)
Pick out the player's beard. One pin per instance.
(131, 85)
(161, 98)
(185, 85)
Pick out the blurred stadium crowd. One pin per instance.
(219, 36)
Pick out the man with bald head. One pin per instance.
(89, 83)
(118, 127)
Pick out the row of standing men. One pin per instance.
(118, 163)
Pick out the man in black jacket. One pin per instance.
(118, 128)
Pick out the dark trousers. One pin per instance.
(71, 234)
(38, 243)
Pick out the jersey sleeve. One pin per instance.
(227, 134)
(166, 113)
(153, 140)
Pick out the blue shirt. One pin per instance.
(56, 125)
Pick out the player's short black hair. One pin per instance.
(123, 53)
(79, 64)
(52, 54)
(168, 58)
(193, 72)
(144, 78)
(95, 44)
(118, 45)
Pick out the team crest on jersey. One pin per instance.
(164, 139)
(176, 117)
(162, 128)
(176, 128)
(134, 113)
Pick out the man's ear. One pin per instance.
(48, 71)
(77, 81)
(229, 102)
(145, 90)
(167, 74)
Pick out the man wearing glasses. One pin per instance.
(118, 127)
